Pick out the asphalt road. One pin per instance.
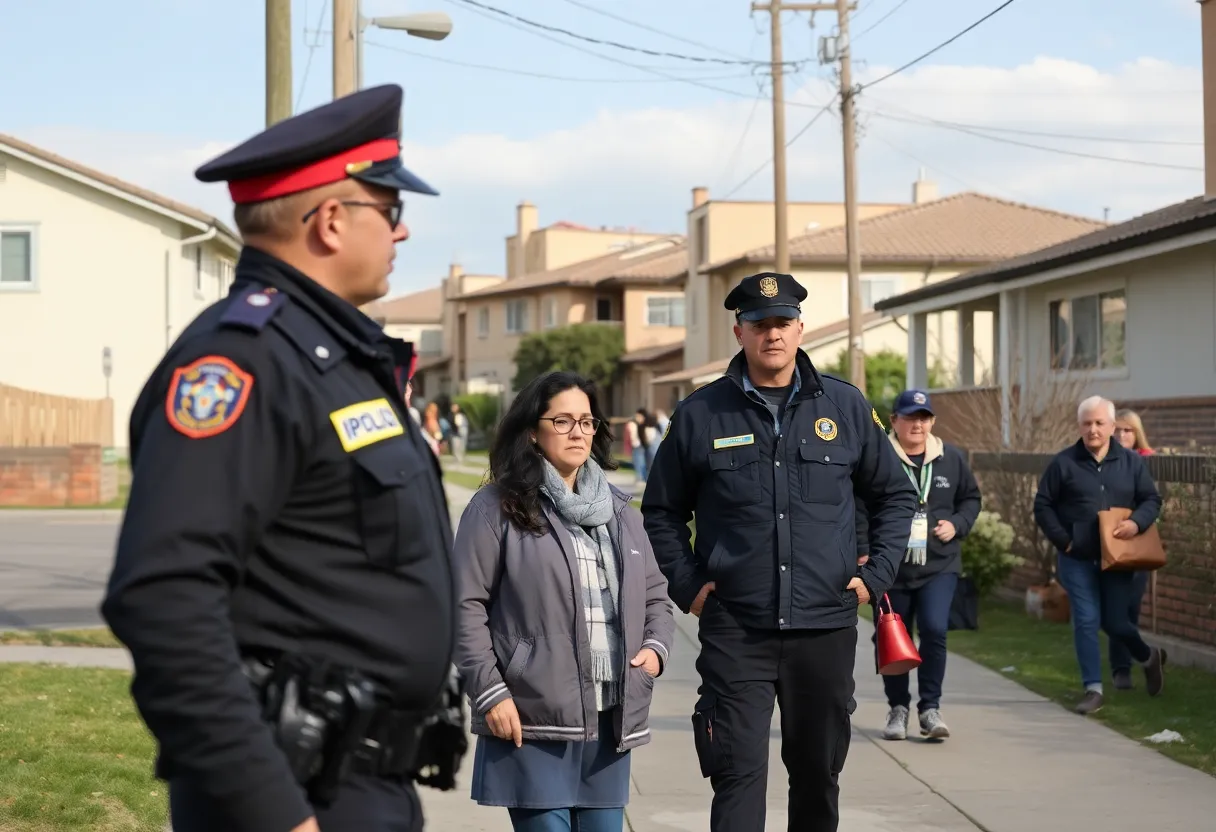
(53, 566)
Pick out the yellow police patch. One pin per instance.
(734, 441)
(877, 421)
(825, 429)
(365, 423)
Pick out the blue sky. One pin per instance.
(146, 90)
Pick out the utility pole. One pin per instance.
(346, 29)
(857, 355)
(278, 61)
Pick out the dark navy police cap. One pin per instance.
(910, 402)
(767, 295)
(356, 136)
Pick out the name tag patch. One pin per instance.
(734, 441)
(365, 423)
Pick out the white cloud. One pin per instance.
(636, 167)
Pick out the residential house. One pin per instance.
(416, 317)
(445, 374)
(920, 244)
(639, 289)
(1127, 312)
(90, 264)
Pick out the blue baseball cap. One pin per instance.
(912, 401)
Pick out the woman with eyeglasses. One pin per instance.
(1129, 431)
(564, 618)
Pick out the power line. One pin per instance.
(600, 42)
(825, 108)
(926, 120)
(940, 46)
(1063, 152)
(312, 48)
(878, 22)
(646, 28)
(547, 76)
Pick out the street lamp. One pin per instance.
(429, 25)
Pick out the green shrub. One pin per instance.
(987, 559)
(481, 409)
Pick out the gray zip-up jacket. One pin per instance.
(522, 634)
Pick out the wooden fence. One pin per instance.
(40, 420)
(1183, 600)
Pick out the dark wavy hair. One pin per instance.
(516, 465)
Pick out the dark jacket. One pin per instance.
(953, 495)
(774, 508)
(522, 634)
(1075, 487)
(313, 520)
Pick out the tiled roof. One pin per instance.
(963, 228)
(654, 261)
(810, 339)
(652, 353)
(425, 307)
(117, 184)
(1194, 214)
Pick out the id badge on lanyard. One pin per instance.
(918, 540)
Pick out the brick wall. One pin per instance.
(1177, 423)
(75, 475)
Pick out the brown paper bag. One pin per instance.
(1142, 552)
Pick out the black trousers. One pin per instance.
(364, 804)
(810, 674)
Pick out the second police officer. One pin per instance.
(768, 460)
(283, 576)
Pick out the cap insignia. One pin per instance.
(768, 287)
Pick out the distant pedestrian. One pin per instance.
(948, 501)
(1094, 474)
(564, 621)
(460, 433)
(1129, 430)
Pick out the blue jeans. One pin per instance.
(567, 820)
(1100, 600)
(639, 463)
(1120, 659)
(928, 608)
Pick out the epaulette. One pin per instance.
(253, 308)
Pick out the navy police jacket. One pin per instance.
(774, 504)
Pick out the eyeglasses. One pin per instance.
(565, 424)
(391, 211)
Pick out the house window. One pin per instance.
(431, 342)
(665, 311)
(16, 257)
(550, 315)
(483, 322)
(603, 309)
(517, 316)
(1089, 332)
(874, 290)
(225, 273)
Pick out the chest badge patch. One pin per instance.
(365, 423)
(207, 396)
(825, 429)
(734, 441)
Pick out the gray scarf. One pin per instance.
(586, 513)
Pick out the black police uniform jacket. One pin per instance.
(314, 523)
(774, 509)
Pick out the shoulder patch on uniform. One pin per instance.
(365, 423)
(734, 441)
(207, 396)
(253, 308)
(877, 421)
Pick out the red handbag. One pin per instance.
(896, 654)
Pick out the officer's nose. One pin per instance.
(401, 233)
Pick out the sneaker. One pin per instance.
(932, 725)
(1091, 703)
(897, 724)
(1154, 672)
(1123, 680)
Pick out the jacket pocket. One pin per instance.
(735, 479)
(391, 524)
(543, 677)
(1085, 540)
(826, 478)
(639, 692)
(710, 738)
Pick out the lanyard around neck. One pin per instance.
(926, 479)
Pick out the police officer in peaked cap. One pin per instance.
(282, 575)
(768, 460)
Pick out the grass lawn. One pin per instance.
(74, 754)
(95, 637)
(1043, 654)
(460, 478)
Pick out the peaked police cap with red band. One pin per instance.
(356, 136)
